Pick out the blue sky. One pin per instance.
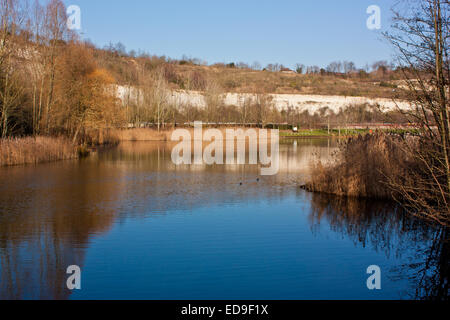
(287, 32)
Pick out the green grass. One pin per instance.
(343, 132)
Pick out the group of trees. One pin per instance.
(335, 67)
(50, 82)
(344, 67)
(153, 103)
(341, 67)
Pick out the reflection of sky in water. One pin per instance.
(142, 228)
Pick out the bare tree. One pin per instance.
(160, 98)
(214, 101)
(349, 66)
(421, 36)
(55, 31)
(299, 68)
(256, 66)
(263, 104)
(12, 21)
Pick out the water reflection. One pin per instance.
(431, 271)
(385, 227)
(47, 216)
(51, 214)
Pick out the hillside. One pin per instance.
(380, 83)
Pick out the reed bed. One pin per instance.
(361, 168)
(30, 150)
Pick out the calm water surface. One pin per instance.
(141, 228)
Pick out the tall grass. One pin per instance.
(363, 166)
(29, 150)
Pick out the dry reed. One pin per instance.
(361, 168)
(29, 150)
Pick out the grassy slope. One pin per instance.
(195, 77)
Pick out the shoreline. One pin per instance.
(149, 134)
(42, 149)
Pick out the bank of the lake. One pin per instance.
(151, 134)
(40, 149)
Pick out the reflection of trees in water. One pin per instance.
(295, 156)
(48, 216)
(51, 212)
(431, 275)
(158, 186)
(43, 231)
(386, 228)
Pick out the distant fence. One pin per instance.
(280, 126)
(379, 126)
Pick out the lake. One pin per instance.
(140, 227)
